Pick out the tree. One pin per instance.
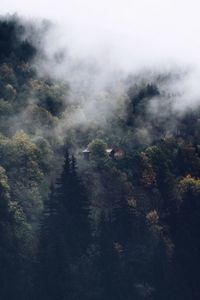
(13, 241)
(106, 263)
(187, 243)
(65, 235)
(98, 150)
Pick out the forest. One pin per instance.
(104, 227)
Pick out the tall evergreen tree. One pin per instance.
(65, 236)
(47, 270)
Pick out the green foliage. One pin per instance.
(98, 150)
(187, 232)
(6, 108)
(50, 95)
(110, 229)
(189, 185)
(11, 44)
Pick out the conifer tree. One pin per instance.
(47, 270)
(65, 236)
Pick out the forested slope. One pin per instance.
(104, 228)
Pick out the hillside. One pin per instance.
(105, 227)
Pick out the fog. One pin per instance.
(125, 33)
(97, 44)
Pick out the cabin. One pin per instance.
(119, 153)
(113, 153)
(86, 154)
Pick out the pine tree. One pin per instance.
(65, 236)
(78, 211)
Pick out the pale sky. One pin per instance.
(129, 32)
